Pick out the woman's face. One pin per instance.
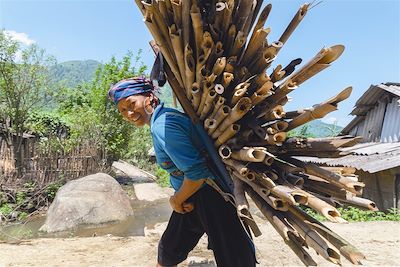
(132, 109)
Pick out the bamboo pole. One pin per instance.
(286, 231)
(358, 202)
(196, 93)
(218, 104)
(221, 114)
(227, 79)
(177, 10)
(176, 40)
(320, 110)
(209, 124)
(314, 240)
(208, 104)
(275, 114)
(197, 27)
(238, 111)
(186, 25)
(160, 39)
(228, 133)
(346, 249)
(225, 151)
(298, 17)
(277, 74)
(239, 92)
(190, 69)
(252, 154)
(319, 62)
(255, 44)
(333, 178)
(261, 20)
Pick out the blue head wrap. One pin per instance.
(128, 87)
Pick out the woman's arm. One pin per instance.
(188, 188)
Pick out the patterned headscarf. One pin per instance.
(128, 87)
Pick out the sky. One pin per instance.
(99, 29)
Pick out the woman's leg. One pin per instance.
(181, 236)
(229, 241)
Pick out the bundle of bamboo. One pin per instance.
(218, 69)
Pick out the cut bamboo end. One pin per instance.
(219, 88)
(225, 151)
(196, 94)
(220, 115)
(209, 124)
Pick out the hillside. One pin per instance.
(318, 128)
(75, 72)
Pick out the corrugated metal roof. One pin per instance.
(391, 124)
(369, 157)
(369, 108)
(372, 95)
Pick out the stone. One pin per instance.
(152, 192)
(93, 199)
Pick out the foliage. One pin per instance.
(353, 214)
(74, 73)
(51, 190)
(24, 86)
(45, 123)
(19, 202)
(91, 116)
(163, 177)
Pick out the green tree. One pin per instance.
(23, 87)
(92, 117)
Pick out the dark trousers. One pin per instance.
(219, 220)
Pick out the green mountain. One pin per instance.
(317, 128)
(75, 72)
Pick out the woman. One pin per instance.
(197, 208)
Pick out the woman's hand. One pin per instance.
(180, 207)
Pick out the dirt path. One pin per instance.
(379, 241)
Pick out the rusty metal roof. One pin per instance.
(369, 157)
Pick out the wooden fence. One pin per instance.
(45, 166)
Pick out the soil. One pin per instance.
(379, 241)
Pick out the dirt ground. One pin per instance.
(379, 241)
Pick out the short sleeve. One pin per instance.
(174, 133)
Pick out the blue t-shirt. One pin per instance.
(174, 136)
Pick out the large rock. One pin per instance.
(151, 192)
(93, 199)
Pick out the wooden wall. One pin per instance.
(380, 187)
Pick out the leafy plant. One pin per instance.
(163, 177)
(51, 190)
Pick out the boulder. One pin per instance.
(93, 199)
(151, 192)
